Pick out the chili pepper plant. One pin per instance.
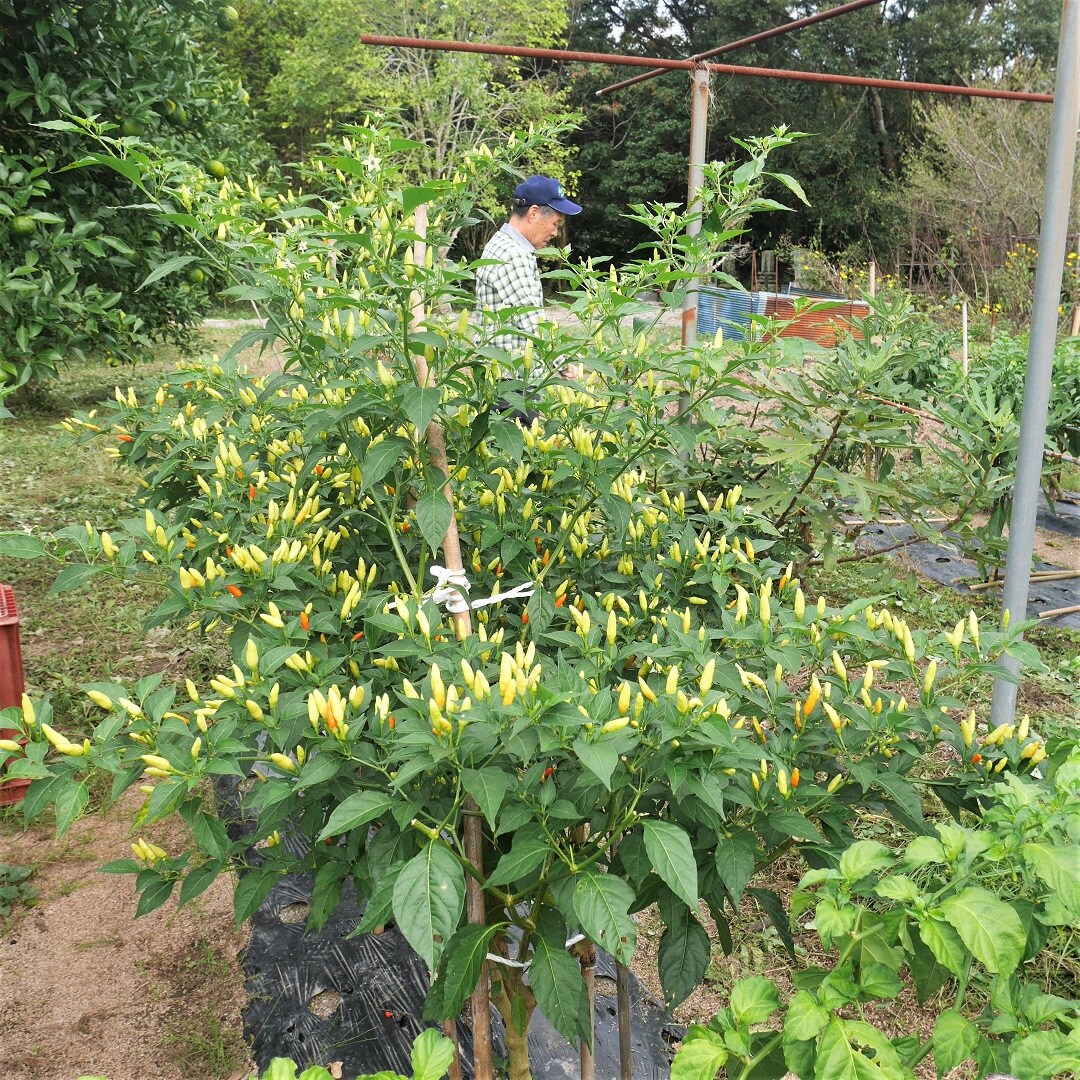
(652, 714)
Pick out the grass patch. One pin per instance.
(1051, 697)
(49, 481)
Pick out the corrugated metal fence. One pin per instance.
(830, 319)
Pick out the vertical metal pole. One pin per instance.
(699, 120)
(1027, 487)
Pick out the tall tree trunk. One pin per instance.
(888, 155)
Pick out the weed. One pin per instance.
(15, 889)
(205, 1049)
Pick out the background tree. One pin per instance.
(972, 194)
(850, 172)
(310, 71)
(76, 253)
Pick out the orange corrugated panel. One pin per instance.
(824, 325)
(11, 683)
(11, 668)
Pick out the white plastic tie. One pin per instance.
(495, 958)
(450, 589)
(453, 585)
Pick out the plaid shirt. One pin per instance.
(511, 282)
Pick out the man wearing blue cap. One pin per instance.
(512, 279)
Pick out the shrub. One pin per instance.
(650, 710)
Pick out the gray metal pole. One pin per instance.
(1027, 486)
(699, 119)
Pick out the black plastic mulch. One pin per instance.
(324, 996)
(942, 562)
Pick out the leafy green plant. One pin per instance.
(15, 888)
(649, 710)
(963, 911)
(77, 253)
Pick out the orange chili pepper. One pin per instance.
(391, 722)
(251, 492)
(304, 620)
(233, 590)
(357, 636)
(124, 438)
(560, 600)
(524, 618)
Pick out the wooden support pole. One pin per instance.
(587, 962)
(622, 1004)
(473, 829)
(1046, 575)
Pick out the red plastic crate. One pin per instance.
(11, 682)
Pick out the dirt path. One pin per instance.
(85, 988)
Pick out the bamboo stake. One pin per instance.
(435, 439)
(587, 962)
(884, 521)
(474, 845)
(483, 1067)
(1075, 328)
(449, 1028)
(1045, 575)
(873, 278)
(1055, 612)
(622, 1003)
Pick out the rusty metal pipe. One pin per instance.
(569, 56)
(753, 39)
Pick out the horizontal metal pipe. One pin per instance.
(753, 39)
(569, 56)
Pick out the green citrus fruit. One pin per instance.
(23, 225)
(196, 276)
(216, 169)
(227, 18)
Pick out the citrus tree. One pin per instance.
(77, 255)
(650, 710)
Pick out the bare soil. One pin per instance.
(85, 988)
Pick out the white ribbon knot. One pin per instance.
(452, 587)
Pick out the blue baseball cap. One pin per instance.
(544, 191)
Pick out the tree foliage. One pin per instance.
(975, 188)
(310, 70)
(850, 171)
(75, 253)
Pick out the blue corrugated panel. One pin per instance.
(728, 309)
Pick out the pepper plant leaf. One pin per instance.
(428, 898)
